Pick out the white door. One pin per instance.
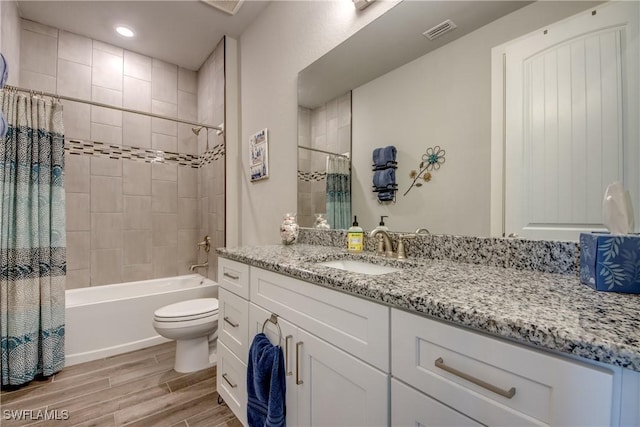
(336, 389)
(257, 318)
(571, 122)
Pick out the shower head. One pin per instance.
(197, 130)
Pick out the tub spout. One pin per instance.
(194, 266)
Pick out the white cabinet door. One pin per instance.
(571, 122)
(409, 407)
(257, 318)
(335, 388)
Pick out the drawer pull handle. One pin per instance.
(231, 276)
(286, 357)
(506, 393)
(298, 380)
(234, 325)
(224, 376)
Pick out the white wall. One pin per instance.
(10, 39)
(444, 99)
(284, 39)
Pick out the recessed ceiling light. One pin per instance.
(125, 31)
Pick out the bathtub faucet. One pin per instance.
(194, 266)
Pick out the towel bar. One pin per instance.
(273, 319)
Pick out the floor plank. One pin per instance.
(137, 389)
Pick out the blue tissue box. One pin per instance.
(610, 263)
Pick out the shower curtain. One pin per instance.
(339, 192)
(32, 238)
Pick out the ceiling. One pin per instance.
(180, 32)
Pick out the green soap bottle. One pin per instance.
(355, 237)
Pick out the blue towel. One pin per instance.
(4, 71)
(386, 196)
(384, 157)
(384, 179)
(265, 384)
(3, 126)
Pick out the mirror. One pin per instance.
(441, 99)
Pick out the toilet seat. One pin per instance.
(185, 311)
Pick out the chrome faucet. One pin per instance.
(385, 245)
(194, 266)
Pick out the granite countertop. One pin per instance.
(550, 311)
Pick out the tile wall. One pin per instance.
(127, 219)
(328, 128)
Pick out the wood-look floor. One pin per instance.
(138, 389)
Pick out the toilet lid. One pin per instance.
(193, 308)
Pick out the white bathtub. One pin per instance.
(102, 321)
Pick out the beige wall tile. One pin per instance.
(106, 230)
(164, 142)
(137, 94)
(137, 247)
(164, 196)
(136, 65)
(164, 83)
(106, 96)
(39, 52)
(167, 127)
(165, 230)
(106, 116)
(164, 171)
(74, 79)
(39, 28)
(106, 266)
(187, 80)
(107, 69)
(187, 181)
(133, 273)
(136, 130)
(77, 123)
(187, 245)
(78, 247)
(136, 178)
(77, 209)
(75, 48)
(77, 279)
(38, 81)
(165, 263)
(106, 194)
(187, 106)
(76, 174)
(187, 140)
(109, 48)
(106, 133)
(188, 213)
(104, 166)
(137, 212)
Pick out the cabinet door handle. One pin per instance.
(226, 319)
(231, 276)
(286, 355)
(298, 380)
(506, 393)
(224, 376)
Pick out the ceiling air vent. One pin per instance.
(440, 29)
(228, 6)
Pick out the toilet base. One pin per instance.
(192, 355)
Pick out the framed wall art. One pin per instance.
(259, 151)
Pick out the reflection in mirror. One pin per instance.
(324, 166)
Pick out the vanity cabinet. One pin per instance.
(493, 381)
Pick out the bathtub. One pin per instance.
(103, 321)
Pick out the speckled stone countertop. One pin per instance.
(550, 311)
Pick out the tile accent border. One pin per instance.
(537, 255)
(312, 176)
(101, 149)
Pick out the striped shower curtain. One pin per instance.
(339, 192)
(32, 238)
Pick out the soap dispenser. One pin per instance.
(381, 226)
(355, 237)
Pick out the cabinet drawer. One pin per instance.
(234, 276)
(409, 407)
(549, 390)
(232, 382)
(233, 323)
(353, 324)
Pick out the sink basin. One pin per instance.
(359, 267)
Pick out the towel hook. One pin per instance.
(273, 319)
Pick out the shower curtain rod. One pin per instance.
(99, 104)
(322, 151)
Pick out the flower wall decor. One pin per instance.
(431, 161)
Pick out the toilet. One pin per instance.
(191, 323)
